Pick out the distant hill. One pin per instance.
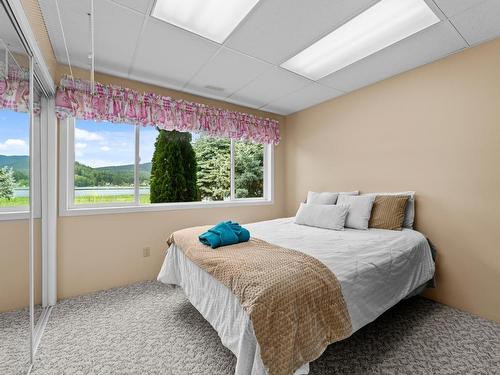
(145, 167)
(115, 175)
(22, 163)
(19, 163)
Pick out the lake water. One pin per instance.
(99, 191)
(21, 192)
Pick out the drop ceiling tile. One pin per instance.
(303, 98)
(157, 80)
(270, 86)
(75, 22)
(51, 22)
(453, 7)
(278, 29)
(274, 31)
(225, 73)
(245, 103)
(424, 47)
(113, 40)
(169, 54)
(479, 23)
(141, 6)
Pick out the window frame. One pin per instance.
(67, 206)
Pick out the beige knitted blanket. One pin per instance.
(294, 301)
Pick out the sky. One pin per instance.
(101, 144)
(14, 133)
(97, 144)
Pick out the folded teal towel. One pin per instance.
(242, 233)
(223, 234)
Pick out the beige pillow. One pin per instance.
(388, 212)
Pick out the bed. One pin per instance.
(376, 269)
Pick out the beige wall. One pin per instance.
(112, 254)
(435, 130)
(14, 282)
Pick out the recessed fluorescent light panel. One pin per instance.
(385, 23)
(212, 19)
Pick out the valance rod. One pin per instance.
(81, 99)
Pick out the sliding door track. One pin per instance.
(38, 332)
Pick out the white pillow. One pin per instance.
(327, 216)
(410, 207)
(321, 198)
(360, 208)
(326, 197)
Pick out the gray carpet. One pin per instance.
(150, 328)
(14, 342)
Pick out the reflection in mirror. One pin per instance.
(36, 190)
(14, 198)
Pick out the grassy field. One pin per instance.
(14, 202)
(89, 199)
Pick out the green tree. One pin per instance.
(214, 167)
(248, 169)
(173, 170)
(21, 178)
(7, 183)
(84, 175)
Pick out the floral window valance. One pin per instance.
(15, 89)
(111, 103)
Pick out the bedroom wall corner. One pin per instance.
(435, 130)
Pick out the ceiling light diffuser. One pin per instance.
(380, 26)
(212, 19)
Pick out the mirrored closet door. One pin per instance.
(15, 199)
(27, 273)
(37, 303)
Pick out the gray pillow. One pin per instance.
(328, 216)
(360, 208)
(326, 197)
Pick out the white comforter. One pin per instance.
(376, 269)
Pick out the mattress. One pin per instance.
(376, 269)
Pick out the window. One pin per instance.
(213, 168)
(14, 160)
(148, 137)
(15, 155)
(248, 170)
(129, 168)
(104, 163)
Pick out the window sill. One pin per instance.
(14, 215)
(106, 210)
